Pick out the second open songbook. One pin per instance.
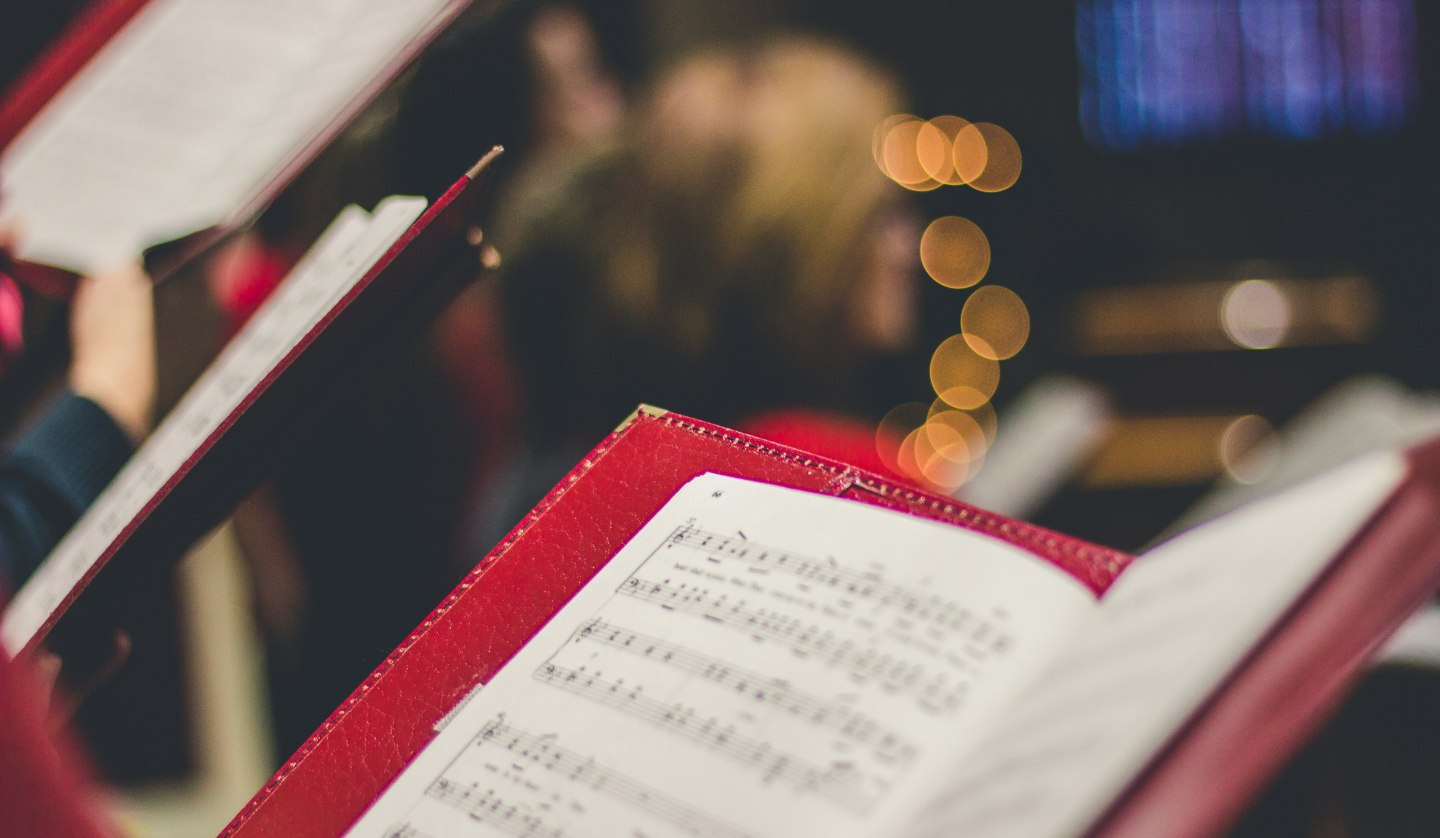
(700, 633)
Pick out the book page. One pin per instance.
(757, 661)
(1167, 633)
(185, 114)
(339, 259)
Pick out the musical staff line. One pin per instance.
(491, 809)
(827, 572)
(582, 769)
(857, 727)
(839, 784)
(936, 694)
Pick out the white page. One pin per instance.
(1170, 629)
(756, 661)
(186, 114)
(342, 255)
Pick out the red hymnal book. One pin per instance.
(173, 123)
(701, 633)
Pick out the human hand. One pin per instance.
(112, 341)
(64, 689)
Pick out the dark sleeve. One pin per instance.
(49, 478)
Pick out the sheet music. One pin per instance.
(757, 661)
(186, 114)
(1165, 635)
(339, 258)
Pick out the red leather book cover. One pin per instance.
(530, 575)
(1222, 759)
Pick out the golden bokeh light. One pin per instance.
(949, 449)
(965, 397)
(984, 416)
(906, 462)
(961, 376)
(937, 439)
(926, 185)
(999, 164)
(901, 421)
(882, 131)
(935, 148)
(939, 471)
(955, 252)
(995, 322)
(969, 153)
(950, 428)
(899, 157)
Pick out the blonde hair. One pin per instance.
(732, 225)
(756, 174)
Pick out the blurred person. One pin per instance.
(737, 255)
(48, 478)
(355, 540)
(63, 461)
(45, 785)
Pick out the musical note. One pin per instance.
(491, 809)
(708, 683)
(934, 693)
(763, 689)
(579, 768)
(860, 585)
(840, 783)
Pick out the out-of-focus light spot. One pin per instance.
(899, 153)
(969, 153)
(950, 426)
(927, 185)
(1002, 162)
(955, 252)
(943, 440)
(1223, 315)
(1249, 450)
(1255, 314)
(965, 397)
(906, 460)
(983, 415)
(935, 147)
(981, 347)
(962, 377)
(995, 322)
(942, 455)
(12, 321)
(950, 448)
(882, 132)
(894, 427)
(942, 473)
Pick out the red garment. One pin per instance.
(42, 791)
(242, 278)
(843, 438)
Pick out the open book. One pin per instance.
(698, 633)
(369, 280)
(193, 116)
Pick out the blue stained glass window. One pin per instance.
(1174, 72)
